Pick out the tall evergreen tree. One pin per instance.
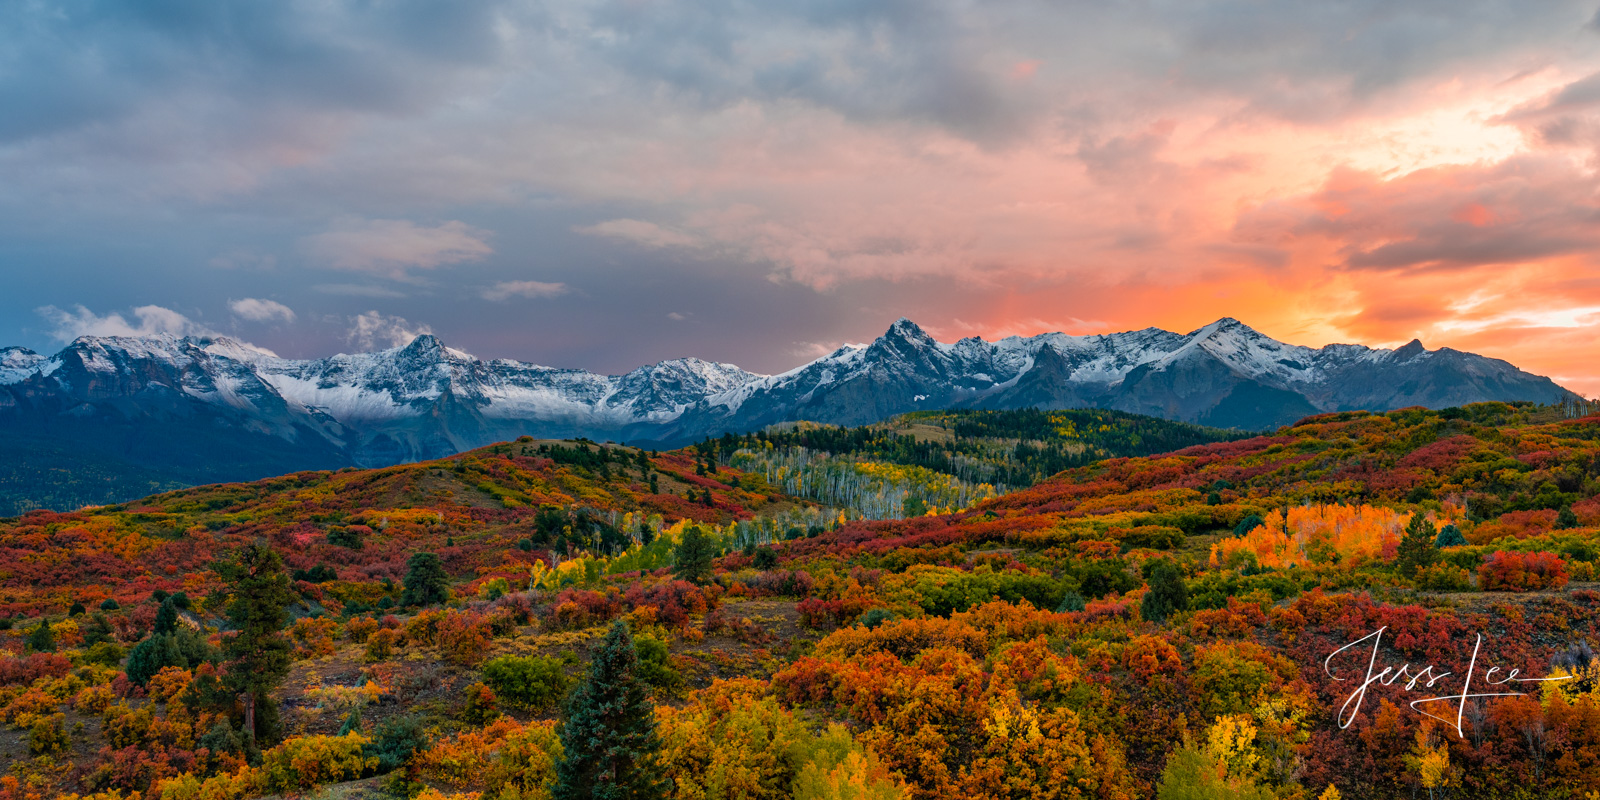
(426, 581)
(257, 654)
(166, 617)
(1418, 548)
(609, 736)
(693, 559)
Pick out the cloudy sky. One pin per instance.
(604, 184)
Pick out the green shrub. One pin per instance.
(534, 682)
(395, 741)
(875, 617)
(655, 663)
(765, 558)
(1444, 577)
(103, 653)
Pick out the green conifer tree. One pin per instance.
(258, 655)
(1167, 592)
(1450, 536)
(1566, 519)
(166, 617)
(609, 736)
(693, 559)
(426, 581)
(1418, 549)
(151, 655)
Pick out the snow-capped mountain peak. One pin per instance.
(426, 399)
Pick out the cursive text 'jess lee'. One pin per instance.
(1389, 676)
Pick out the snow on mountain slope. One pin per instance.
(17, 363)
(426, 398)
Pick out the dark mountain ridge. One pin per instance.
(209, 409)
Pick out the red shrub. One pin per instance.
(675, 602)
(27, 669)
(1508, 571)
(815, 613)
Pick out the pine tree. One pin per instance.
(98, 630)
(42, 639)
(1417, 547)
(166, 617)
(1449, 536)
(426, 581)
(151, 655)
(609, 736)
(258, 655)
(693, 562)
(1566, 519)
(1248, 524)
(1167, 592)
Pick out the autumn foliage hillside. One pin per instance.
(1164, 626)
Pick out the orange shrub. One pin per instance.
(381, 644)
(359, 628)
(168, 683)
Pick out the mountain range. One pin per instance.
(202, 409)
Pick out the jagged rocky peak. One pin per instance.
(429, 348)
(1411, 349)
(424, 398)
(905, 328)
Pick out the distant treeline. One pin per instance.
(1009, 449)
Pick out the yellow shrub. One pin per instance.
(525, 766)
(309, 761)
(94, 699)
(226, 786)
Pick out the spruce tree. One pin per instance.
(1449, 536)
(1417, 547)
(693, 561)
(167, 617)
(426, 581)
(258, 655)
(98, 630)
(609, 736)
(1248, 524)
(1566, 519)
(1167, 592)
(151, 655)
